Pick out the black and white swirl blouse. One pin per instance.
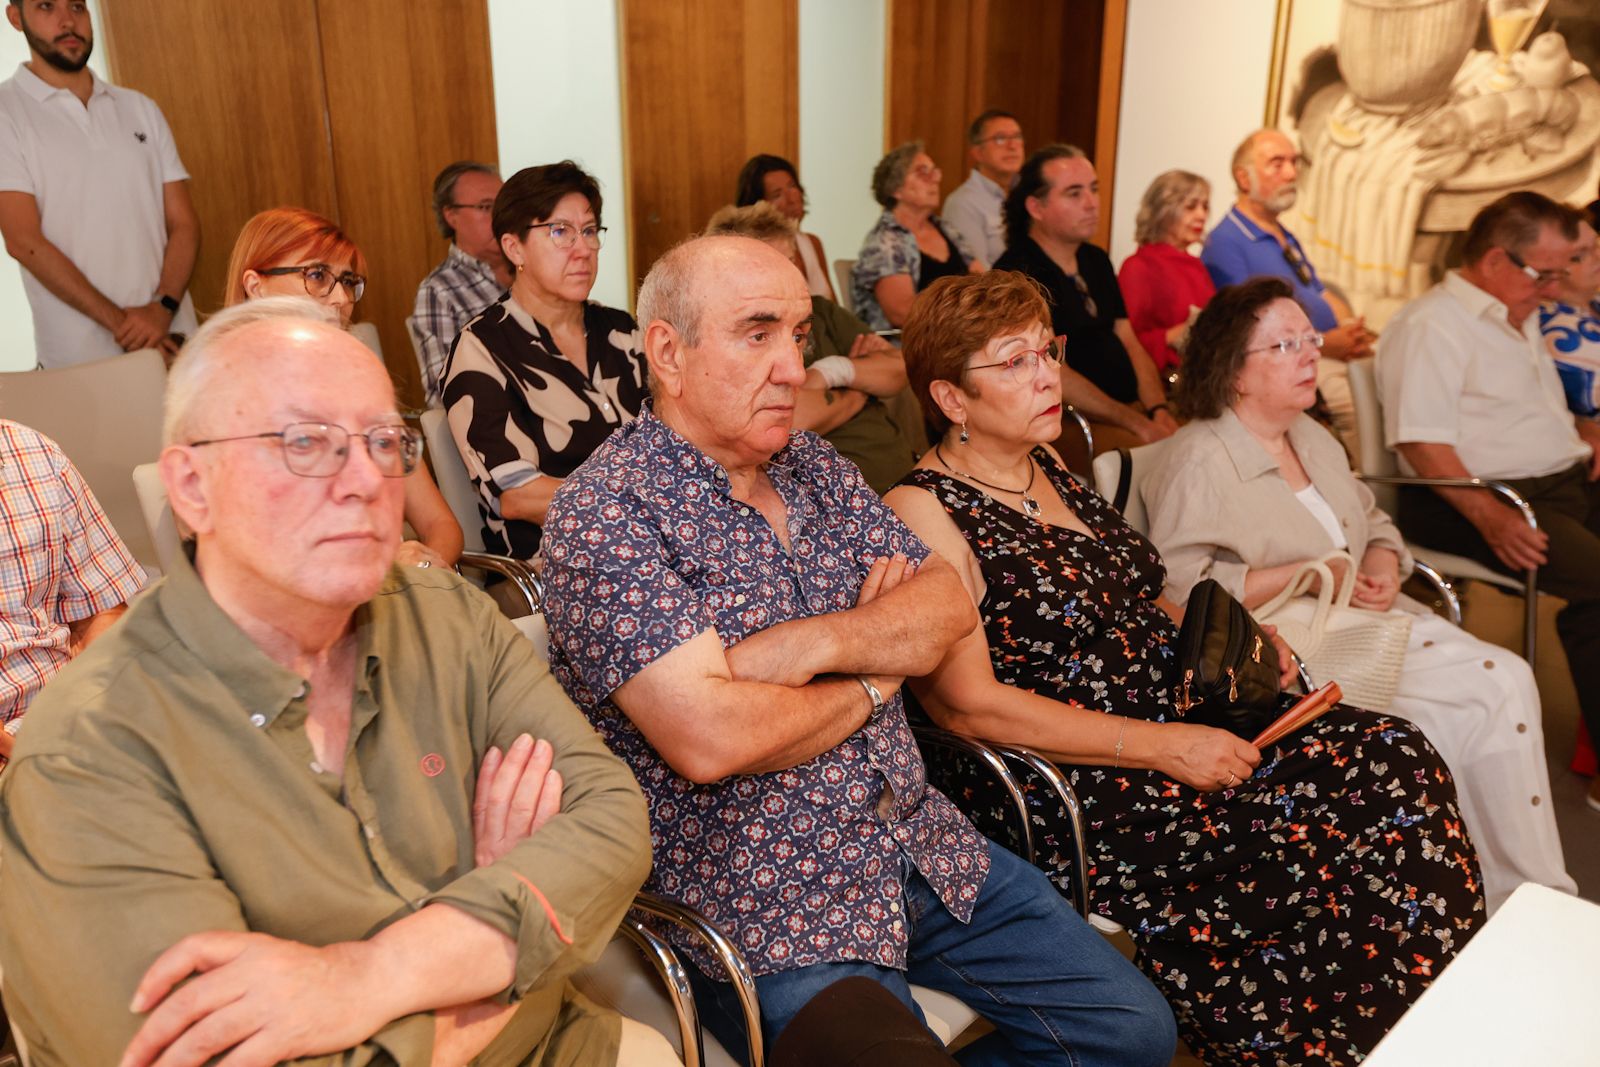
(519, 410)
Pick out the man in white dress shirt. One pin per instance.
(1470, 391)
(94, 201)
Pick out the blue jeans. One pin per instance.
(1055, 990)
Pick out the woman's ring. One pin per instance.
(1233, 780)
(426, 563)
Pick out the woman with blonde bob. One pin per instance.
(1290, 903)
(1163, 284)
(289, 251)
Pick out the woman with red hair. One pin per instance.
(289, 251)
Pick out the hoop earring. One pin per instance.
(964, 436)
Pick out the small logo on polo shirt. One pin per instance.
(433, 765)
(141, 137)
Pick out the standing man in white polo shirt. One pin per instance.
(1469, 391)
(94, 202)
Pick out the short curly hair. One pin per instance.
(890, 173)
(1216, 352)
(954, 318)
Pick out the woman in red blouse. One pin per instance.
(1163, 285)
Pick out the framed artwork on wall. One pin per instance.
(1414, 114)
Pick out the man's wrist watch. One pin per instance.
(873, 693)
(167, 302)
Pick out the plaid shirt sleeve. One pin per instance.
(433, 327)
(100, 573)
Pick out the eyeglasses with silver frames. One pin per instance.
(1290, 346)
(565, 234)
(320, 449)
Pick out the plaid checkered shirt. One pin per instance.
(62, 563)
(448, 298)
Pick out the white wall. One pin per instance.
(558, 95)
(16, 320)
(842, 45)
(1194, 82)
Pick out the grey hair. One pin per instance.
(890, 173)
(444, 190)
(761, 221)
(193, 375)
(1162, 203)
(665, 295)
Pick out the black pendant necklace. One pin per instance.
(1030, 506)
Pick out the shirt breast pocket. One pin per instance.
(742, 608)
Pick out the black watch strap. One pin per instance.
(167, 302)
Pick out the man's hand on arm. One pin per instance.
(1096, 406)
(145, 326)
(1517, 545)
(1347, 341)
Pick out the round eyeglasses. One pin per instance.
(1290, 346)
(1023, 365)
(320, 449)
(565, 234)
(320, 279)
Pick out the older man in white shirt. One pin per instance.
(1469, 391)
(974, 209)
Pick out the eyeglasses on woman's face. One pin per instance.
(1290, 346)
(320, 279)
(566, 234)
(1021, 366)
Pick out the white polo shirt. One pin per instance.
(1452, 371)
(97, 173)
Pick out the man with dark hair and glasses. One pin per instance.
(1469, 390)
(474, 273)
(300, 802)
(94, 201)
(1051, 216)
(1251, 241)
(996, 150)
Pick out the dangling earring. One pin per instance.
(964, 436)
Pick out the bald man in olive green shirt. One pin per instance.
(292, 805)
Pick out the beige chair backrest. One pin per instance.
(844, 270)
(454, 481)
(159, 522)
(367, 334)
(1108, 470)
(106, 416)
(1375, 458)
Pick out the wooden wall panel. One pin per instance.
(409, 90)
(935, 67)
(707, 84)
(249, 121)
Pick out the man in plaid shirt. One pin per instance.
(64, 574)
(474, 273)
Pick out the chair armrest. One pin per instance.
(718, 944)
(673, 975)
(518, 572)
(1037, 771)
(986, 755)
(1083, 428)
(1500, 489)
(1446, 592)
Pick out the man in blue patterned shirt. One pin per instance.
(735, 610)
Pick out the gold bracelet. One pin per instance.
(1122, 733)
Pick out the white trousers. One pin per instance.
(1479, 706)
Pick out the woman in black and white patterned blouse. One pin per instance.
(539, 379)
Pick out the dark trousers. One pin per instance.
(1568, 508)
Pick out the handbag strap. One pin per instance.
(1124, 481)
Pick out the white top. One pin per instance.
(1452, 371)
(1317, 504)
(974, 210)
(97, 173)
(816, 270)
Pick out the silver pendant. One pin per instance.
(1030, 507)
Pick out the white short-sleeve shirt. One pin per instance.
(97, 173)
(1453, 371)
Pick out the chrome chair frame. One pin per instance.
(726, 953)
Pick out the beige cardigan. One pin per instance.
(1219, 506)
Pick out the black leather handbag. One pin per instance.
(1227, 665)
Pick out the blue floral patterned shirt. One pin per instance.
(645, 548)
(889, 249)
(1573, 337)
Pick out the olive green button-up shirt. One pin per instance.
(165, 786)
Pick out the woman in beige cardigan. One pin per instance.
(1252, 488)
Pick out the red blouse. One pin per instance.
(1159, 284)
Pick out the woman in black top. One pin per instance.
(541, 377)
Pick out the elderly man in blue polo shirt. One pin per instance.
(735, 609)
(1250, 241)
